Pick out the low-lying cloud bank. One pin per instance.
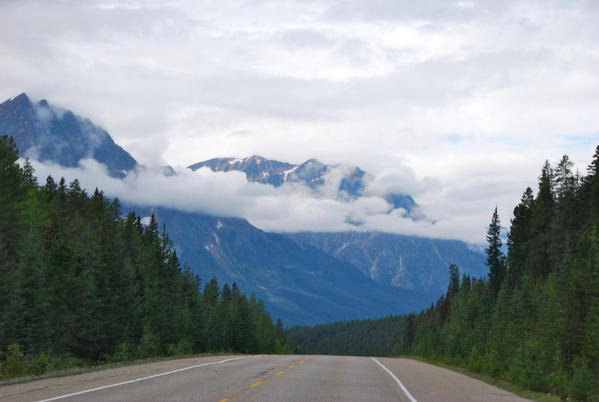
(289, 208)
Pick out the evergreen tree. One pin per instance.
(536, 325)
(495, 257)
(519, 239)
(81, 284)
(539, 263)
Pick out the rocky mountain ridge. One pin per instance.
(344, 182)
(51, 134)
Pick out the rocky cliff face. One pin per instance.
(51, 134)
(405, 262)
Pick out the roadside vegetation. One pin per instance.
(81, 285)
(533, 322)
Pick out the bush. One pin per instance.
(183, 347)
(150, 345)
(14, 366)
(123, 352)
(583, 386)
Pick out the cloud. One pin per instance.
(290, 208)
(384, 84)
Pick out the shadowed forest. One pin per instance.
(80, 284)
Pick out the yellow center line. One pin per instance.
(302, 361)
(254, 385)
(224, 400)
(293, 366)
(279, 373)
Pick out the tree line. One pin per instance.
(81, 284)
(534, 320)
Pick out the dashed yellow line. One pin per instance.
(257, 384)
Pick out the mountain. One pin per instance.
(298, 283)
(407, 262)
(52, 134)
(303, 278)
(346, 182)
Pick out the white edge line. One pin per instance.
(403, 388)
(142, 379)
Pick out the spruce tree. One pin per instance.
(518, 239)
(12, 196)
(539, 263)
(495, 257)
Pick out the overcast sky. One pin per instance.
(459, 101)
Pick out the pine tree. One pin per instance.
(454, 281)
(518, 239)
(12, 197)
(495, 257)
(539, 263)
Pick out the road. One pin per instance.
(265, 378)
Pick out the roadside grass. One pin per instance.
(103, 366)
(503, 384)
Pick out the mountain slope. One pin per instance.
(407, 262)
(51, 134)
(299, 283)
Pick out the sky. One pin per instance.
(457, 103)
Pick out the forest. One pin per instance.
(533, 321)
(81, 284)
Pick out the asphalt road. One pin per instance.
(265, 378)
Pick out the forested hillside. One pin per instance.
(80, 284)
(535, 319)
(376, 337)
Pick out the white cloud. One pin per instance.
(474, 94)
(289, 208)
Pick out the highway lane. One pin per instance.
(265, 378)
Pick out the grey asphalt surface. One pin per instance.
(264, 378)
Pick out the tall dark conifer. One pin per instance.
(12, 196)
(495, 257)
(519, 239)
(539, 263)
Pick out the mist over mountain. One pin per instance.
(407, 262)
(342, 182)
(51, 134)
(304, 278)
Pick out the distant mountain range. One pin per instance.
(346, 182)
(304, 278)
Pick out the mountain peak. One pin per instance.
(313, 161)
(20, 101)
(22, 98)
(256, 158)
(351, 180)
(47, 133)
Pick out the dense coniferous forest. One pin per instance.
(535, 319)
(81, 284)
